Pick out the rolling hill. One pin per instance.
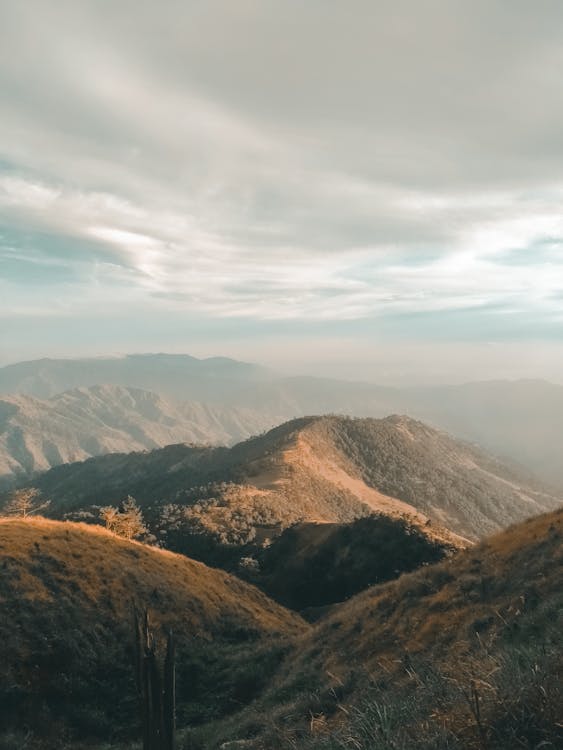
(36, 435)
(316, 469)
(66, 634)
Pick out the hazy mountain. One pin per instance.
(36, 435)
(319, 469)
(521, 421)
(66, 634)
(177, 376)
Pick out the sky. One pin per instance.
(359, 189)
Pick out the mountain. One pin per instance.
(177, 376)
(36, 435)
(520, 421)
(465, 654)
(66, 634)
(315, 469)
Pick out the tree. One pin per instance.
(25, 502)
(127, 521)
(132, 524)
(109, 516)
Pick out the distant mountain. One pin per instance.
(519, 421)
(315, 469)
(67, 672)
(36, 435)
(177, 376)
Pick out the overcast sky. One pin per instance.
(367, 189)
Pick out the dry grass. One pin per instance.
(99, 567)
(397, 666)
(66, 592)
(462, 655)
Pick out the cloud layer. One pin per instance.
(390, 167)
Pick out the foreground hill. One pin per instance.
(66, 664)
(36, 435)
(317, 469)
(462, 655)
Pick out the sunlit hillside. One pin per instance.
(316, 469)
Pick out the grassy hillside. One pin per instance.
(463, 655)
(66, 633)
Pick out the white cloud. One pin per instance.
(279, 162)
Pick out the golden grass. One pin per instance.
(436, 610)
(454, 617)
(97, 569)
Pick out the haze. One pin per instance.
(366, 190)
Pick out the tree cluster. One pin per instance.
(126, 521)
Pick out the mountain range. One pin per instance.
(519, 421)
(370, 594)
(36, 434)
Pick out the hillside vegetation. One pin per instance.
(315, 469)
(66, 634)
(312, 565)
(466, 654)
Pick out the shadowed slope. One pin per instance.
(318, 564)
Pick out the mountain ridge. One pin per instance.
(316, 469)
